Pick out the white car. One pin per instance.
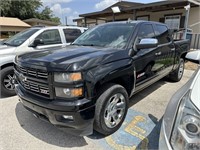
(33, 39)
(180, 128)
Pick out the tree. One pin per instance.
(24, 9)
(19, 8)
(47, 14)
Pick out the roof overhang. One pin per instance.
(150, 7)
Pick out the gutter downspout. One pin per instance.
(187, 8)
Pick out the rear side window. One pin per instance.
(71, 34)
(50, 37)
(162, 34)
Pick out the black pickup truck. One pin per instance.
(87, 85)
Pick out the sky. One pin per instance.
(71, 9)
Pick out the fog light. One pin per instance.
(192, 128)
(191, 125)
(67, 117)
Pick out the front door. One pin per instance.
(50, 38)
(147, 61)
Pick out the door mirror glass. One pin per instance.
(37, 42)
(147, 43)
(193, 56)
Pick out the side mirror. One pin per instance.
(37, 42)
(193, 56)
(147, 43)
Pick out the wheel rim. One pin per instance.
(8, 82)
(181, 69)
(115, 110)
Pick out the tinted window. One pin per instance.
(163, 34)
(50, 37)
(71, 34)
(145, 31)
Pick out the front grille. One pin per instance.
(42, 89)
(33, 80)
(32, 72)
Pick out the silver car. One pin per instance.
(181, 122)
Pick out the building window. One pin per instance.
(173, 21)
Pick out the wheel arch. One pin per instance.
(6, 65)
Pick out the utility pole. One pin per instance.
(66, 20)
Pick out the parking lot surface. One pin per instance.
(19, 129)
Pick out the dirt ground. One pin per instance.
(191, 66)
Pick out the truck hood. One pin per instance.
(72, 58)
(6, 50)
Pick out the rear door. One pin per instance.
(166, 46)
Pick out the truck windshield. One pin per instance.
(112, 36)
(20, 38)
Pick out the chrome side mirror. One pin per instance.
(147, 43)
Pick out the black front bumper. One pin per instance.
(82, 122)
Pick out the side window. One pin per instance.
(50, 37)
(145, 31)
(71, 34)
(162, 34)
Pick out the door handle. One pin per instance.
(158, 54)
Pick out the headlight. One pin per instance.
(186, 131)
(69, 92)
(67, 77)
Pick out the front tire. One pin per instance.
(111, 109)
(177, 74)
(6, 78)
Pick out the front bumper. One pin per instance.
(81, 124)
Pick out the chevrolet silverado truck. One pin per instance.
(87, 85)
(33, 39)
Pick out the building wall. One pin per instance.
(12, 29)
(194, 18)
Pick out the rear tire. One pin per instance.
(177, 74)
(6, 78)
(111, 109)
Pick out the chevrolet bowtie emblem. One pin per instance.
(22, 78)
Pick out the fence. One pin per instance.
(195, 40)
(193, 37)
